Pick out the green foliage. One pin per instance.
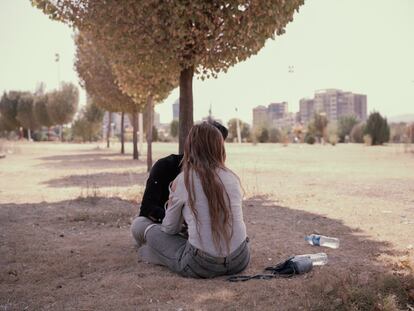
(275, 135)
(377, 127)
(39, 136)
(93, 113)
(88, 126)
(318, 126)
(174, 128)
(151, 43)
(232, 128)
(25, 112)
(309, 138)
(84, 130)
(357, 133)
(345, 126)
(8, 110)
(262, 135)
(63, 103)
(41, 112)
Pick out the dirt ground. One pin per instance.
(65, 212)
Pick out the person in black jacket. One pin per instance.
(163, 172)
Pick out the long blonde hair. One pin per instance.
(204, 154)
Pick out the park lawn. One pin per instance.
(65, 212)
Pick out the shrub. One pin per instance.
(345, 126)
(318, 127)
(275, 135)
(367, 140)
(357, 133)
(310, 139)
(39, 136)
(263, 135)
(84, 130)
(333, 139)
(377, 127)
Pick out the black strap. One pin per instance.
(243, 278)
(284, 269)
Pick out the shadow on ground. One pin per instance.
(90, 160)
(98, 180)
(78, 255)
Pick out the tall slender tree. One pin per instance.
(41, 113)
(63, 104)
(25, 113)
(8, 110)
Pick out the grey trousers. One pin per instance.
(175, 252)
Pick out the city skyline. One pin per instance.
(322, 48)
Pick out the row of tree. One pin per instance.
(375, 131)
(150, 46)
(30, 111)
(349, 128)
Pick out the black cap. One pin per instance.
(223, 130)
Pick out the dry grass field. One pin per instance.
(65, 211)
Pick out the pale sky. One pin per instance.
(359, 46)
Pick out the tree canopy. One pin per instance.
(8, 110)
(151, 40)
(63, 103)
(345, 126)
(25, 112)
(97, 78)
(377, 127)
(40, 110)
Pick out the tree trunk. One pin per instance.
(134, 134)
(238, 131)
(29, 134)
(48, 134)
(122, 133)
(186, 120)
(108, 129)
(141, 131)
(150, 121)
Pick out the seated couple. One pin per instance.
(201, 232)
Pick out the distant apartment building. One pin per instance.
(260, 116)
(274, 115)
(306, 109)
(335, 104)
(277, 110)
(176, 109)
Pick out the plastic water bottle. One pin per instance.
(319, 259)
(320, 240)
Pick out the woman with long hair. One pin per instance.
(207, 197)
